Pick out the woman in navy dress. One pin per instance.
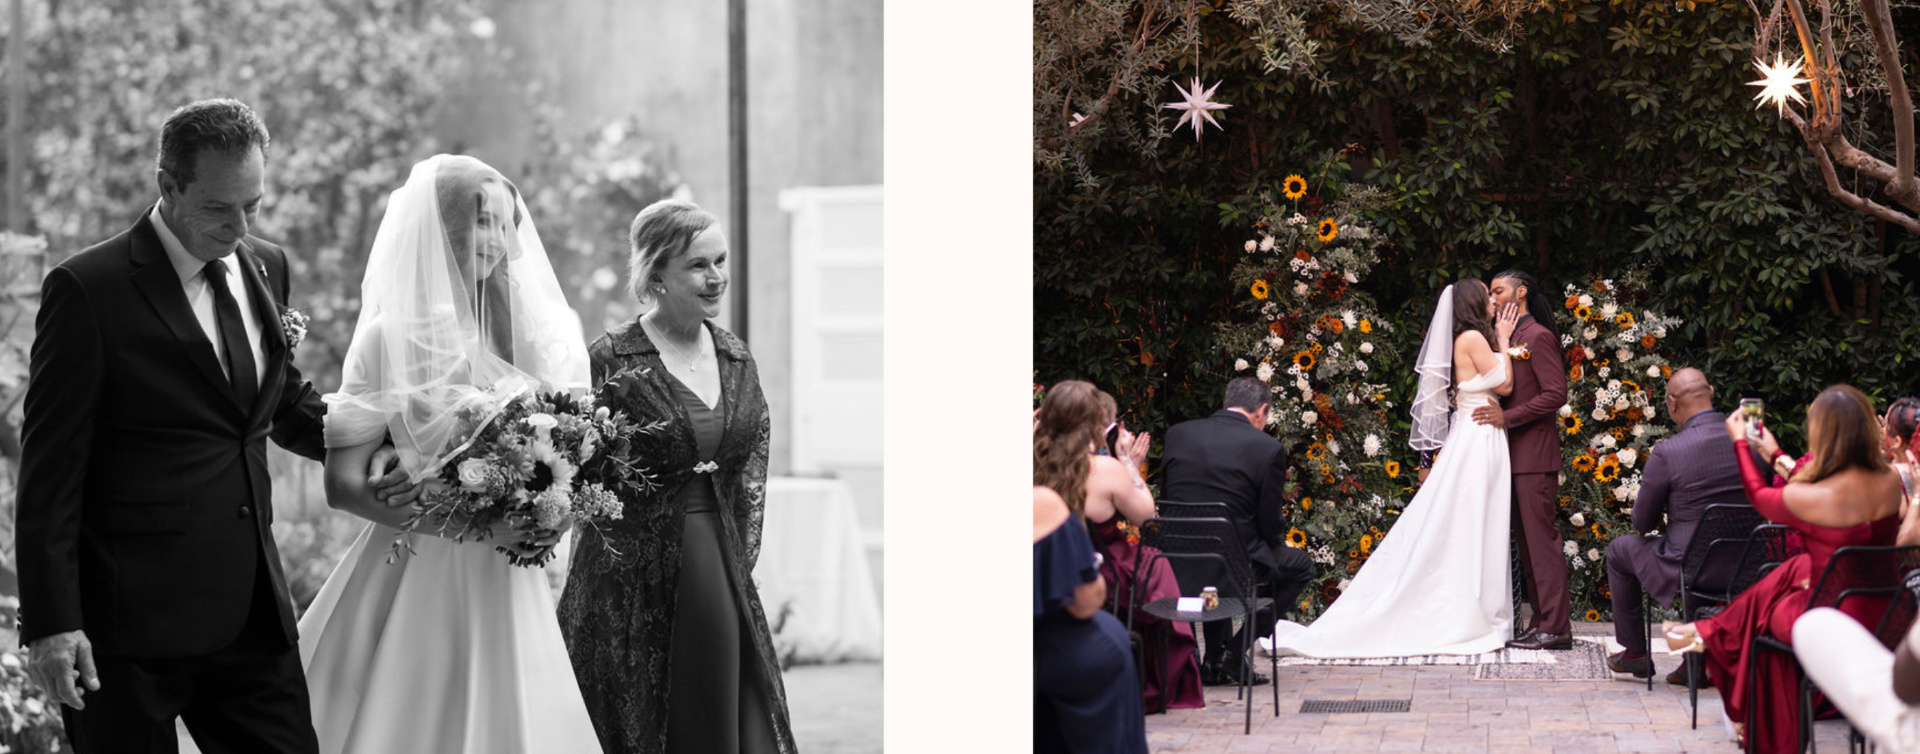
(1085, 690)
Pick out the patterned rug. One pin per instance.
(1587, 661)
(1496, 657)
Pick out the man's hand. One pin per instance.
(389, 481)
(54, 662)
(1490, 414)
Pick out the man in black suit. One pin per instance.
(148, 574)
(1229, 458)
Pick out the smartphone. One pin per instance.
(1113, 438)
(1753, 410)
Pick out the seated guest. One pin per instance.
(1901, 425)
(1684, 474)
(1842, 493)
(1108, 492)
(1878, 690)
(1229, 458)
(1083, 676)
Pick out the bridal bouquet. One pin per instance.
(543, 462)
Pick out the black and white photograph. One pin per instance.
(482, 376)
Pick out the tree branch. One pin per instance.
(1887, 50)
(1832, 179)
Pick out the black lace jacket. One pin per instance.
(617, 611)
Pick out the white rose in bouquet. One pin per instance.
(1309, 417)
(1628, 456)
(1300, 289)
(1586, 300)
(1590, 333)
(1599, 414)
(1653, 371)
(1240, 365)
(1578, 520)
(1566, 410)
(1251, 245)
(473, 474)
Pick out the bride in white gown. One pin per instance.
(450, 648)
(1439, 582)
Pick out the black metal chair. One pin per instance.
(1852, 573)
(1211, 540)
(1707, 565)
(1767, 547)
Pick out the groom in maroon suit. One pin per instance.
(1533, 440)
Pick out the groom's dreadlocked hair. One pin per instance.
(1538, 304)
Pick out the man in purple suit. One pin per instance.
(1533, 441)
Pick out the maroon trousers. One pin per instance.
(1541, 557)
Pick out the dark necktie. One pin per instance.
(233, 333)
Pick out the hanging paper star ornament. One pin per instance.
(1197, 105)
(1778, 82)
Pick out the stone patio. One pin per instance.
(1451, 711)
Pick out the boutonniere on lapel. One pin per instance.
(1520, 352)
(293, 322)
(706, 467)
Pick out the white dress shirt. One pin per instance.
(200, 297)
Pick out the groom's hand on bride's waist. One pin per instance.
(1490, 414)
(56, 662)
(389, 481)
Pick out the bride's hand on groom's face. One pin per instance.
(1505, 323)
(389, 481)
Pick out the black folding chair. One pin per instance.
(1707, 565)
(1852, 573)
(1767, 547)
(1210, 540)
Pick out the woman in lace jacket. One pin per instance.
(665, 628)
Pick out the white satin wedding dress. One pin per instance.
(1439, 582)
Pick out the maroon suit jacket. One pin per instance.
(1539, 390)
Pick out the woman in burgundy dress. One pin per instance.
(1841, 493)
(1107, 491)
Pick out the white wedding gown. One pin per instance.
(1439, 582)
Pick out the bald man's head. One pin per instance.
(1688, 393)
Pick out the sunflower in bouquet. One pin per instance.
(541, 463)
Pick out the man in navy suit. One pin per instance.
(1229, 458)
(149, 580)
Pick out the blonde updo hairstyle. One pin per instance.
(660, 234)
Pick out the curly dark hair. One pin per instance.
(226, 126)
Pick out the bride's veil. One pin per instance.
(1433, 401)
(459, 309)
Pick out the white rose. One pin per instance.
(1600, 414)
(1620, 404)
(1276, 342)
(1639, 430)
(1352, 277)
(1566, 410)
(1658, 332)
(1366, 347)
(1650, 412)
(1593, 554)
(1628, 456)
(473, 474)
(1251, 245)
(1240, 365)
(542, 424)
(1266, 243)
(1588, 352)
(1607, 441)
(1623, 354)
(1309, 417)
(1578, 520)
(1353, 400)
(1590, 334)
(1265, 372)
(1299, 289)
(1302, 385)
(1620, 493)
(1586, 300)
(1572, 548)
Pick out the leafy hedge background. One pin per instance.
(1605, 137)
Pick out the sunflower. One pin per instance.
(1583, 463)
(1328, 230)
(1317, 452)
(1571, 423)
(1366, 326)
(1573, 302)
(1296, 538)
(1608, 471)
(1354, 553)
(1366, 543)
(1581, 312)
(1304, 360)
(1606, 593)
(1592, 616)
(1296, 187)
(1317, 348)
(1573, 375)
(1260, 289)
(1624, 320)
(1619, 434)
(1646, 341)
(1393, 469)
(1566, 501)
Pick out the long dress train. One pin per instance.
(1438, 582)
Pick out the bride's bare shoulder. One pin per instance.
(1470, 338)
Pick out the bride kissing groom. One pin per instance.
(1491, 379)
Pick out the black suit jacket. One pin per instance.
(144, 495)
(1223, 459)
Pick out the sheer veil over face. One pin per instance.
(459, 309)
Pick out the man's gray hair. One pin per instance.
(1247, 394)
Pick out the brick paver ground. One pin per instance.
(836, 709)
(1453, 712)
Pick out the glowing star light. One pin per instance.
(1196, 106)
(1778, 84)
